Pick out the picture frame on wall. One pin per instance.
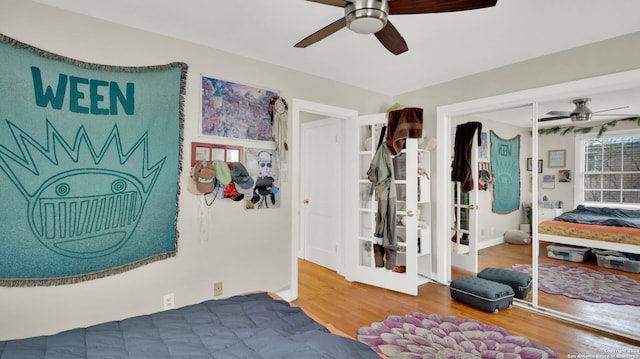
(557, 158)
(564, 176)
(530, 165)
(236, 111)
(549, 181)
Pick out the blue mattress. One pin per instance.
(247, 326)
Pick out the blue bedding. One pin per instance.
(603, 216)
(247, 326)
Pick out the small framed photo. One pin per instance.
(564, 176)
(530, 165)
(557, 158)
(549, 181)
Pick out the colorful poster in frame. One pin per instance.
(237, 111)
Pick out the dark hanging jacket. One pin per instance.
(461, 170)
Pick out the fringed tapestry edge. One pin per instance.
(88, 65)
(45, 282)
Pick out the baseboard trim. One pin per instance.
(491, 242)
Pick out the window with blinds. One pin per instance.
(612, 170)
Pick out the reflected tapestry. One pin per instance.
(89, 165)
(505, 163)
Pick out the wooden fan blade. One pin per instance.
(338, 3)
(405, 7)
(559, 113)
(322, 33)
(544, 119)
(390, 38)
(611, 109)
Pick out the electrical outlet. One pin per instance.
(217, 289)
(168, 302)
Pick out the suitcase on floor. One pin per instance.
(482, 293)
(520, 282)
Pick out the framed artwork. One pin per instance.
(564, 176)
(549, 181)
(263, 166)
(530, 165)
(236, 111)
(557, 158)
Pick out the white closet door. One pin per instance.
(361, 266)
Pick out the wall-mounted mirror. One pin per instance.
(491, 221)
(579, 152)
(590, 271)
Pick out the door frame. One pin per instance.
(299, 106)
(445, 115)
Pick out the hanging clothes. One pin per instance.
(381, 174)
(461, 170)
(403, 124)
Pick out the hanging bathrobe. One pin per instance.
(381, 174)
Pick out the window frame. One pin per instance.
(579, 187)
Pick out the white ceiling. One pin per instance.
(442, 47)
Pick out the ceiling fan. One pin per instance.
(370, 17)
(581, 112)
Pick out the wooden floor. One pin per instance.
(349, 306)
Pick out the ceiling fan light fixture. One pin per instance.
(581, 113)
(366, 16)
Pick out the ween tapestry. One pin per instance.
(89, 165)
(505, 163)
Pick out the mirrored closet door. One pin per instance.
(498, 205)
(579, 145)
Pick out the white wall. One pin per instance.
(247, 250)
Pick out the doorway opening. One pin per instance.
(302, 111)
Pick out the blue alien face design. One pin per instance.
(81, 221)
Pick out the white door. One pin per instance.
(362, 139)
(322, 169)
(464, 234)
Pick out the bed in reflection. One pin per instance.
(613, 229)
